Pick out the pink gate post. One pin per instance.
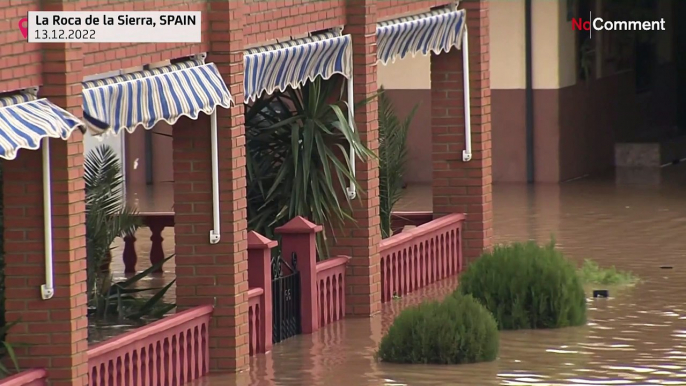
(260, 276)
(299, 236)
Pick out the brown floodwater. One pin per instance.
(636, 221)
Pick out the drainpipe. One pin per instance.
(529, 96)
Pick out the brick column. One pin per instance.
(56, 328)
(215, 274)
(361, 240)
(464, 187)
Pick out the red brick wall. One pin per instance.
(206, 273)
(387, 9)
(361, 239)
(216, 274)
(55, 328)
(464, 187)
(20, 62)
(99, 58)
(275, 19)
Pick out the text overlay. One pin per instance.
(114, 27)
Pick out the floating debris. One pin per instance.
(601, 293)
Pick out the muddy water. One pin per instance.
(636, 337)
(100, 330)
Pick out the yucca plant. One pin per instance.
(393, 157)
(298, 145)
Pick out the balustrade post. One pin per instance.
(260, 276)
(298, 237)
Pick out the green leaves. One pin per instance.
(109, 217)
(7, 351)
(527, 286)
(393, 157)
(124, 301)
(298, 149)
(455, 331)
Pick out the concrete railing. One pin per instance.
(33, 377)
(171, 351)
(420, 256)
(331, 290)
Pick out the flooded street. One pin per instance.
(636, 337)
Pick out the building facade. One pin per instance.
(577, 122)
(216, 274)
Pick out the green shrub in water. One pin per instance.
(591, 273)
(526, 285)
(458, 330)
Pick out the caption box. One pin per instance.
(114, 27)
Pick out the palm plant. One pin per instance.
(107, 214)
(108, 217)
(393, 157)
(298, 147)
(122, 299)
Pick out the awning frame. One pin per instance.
(288, 48)
(454, 34)
(30, 95)
(199, 61)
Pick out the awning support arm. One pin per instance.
(48, 289)
(215, 233)
(351, 190)
(467, 152)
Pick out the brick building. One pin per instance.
(214, 273)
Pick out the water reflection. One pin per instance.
(635, 337)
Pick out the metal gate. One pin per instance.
(285, 298)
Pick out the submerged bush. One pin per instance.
(526, 285)
(591, 273)
(458, 330)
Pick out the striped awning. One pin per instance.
(147, 97)
(294, 62)
(25, 120)
(436, 31)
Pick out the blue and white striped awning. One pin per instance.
(25, 120)
(294, 62)
(145, 98)
(436, 31)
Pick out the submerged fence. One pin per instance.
(420, 256)
(171, 351)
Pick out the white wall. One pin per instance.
(554, 54)
(410, 73)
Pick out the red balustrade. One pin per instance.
(255, 322)
(169, 352)
(331, 290)
(33, 377)
(156, 221)
(420, 256)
